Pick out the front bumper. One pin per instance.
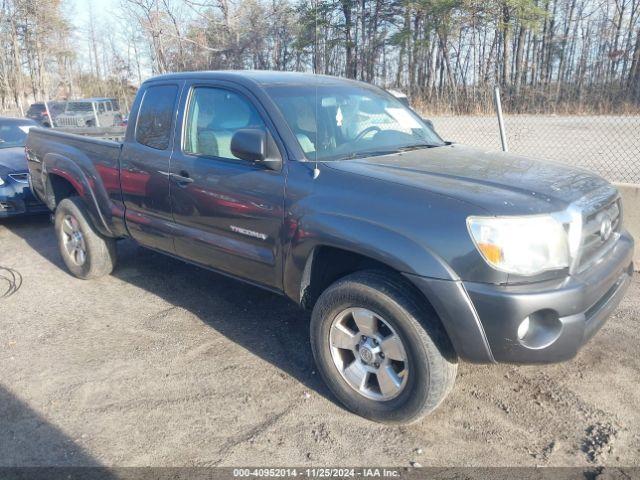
(16, 199)
(483, 319)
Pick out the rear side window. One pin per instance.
(155, 118)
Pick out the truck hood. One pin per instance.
(12, 159)
(500, 183)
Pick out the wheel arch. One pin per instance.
(64, 178)
(326, 265)
(355, 242)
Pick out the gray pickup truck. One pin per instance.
(411, 252)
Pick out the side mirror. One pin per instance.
(249, 144)
(255, 145)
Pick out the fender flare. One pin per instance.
(87, 187)
(361, 237)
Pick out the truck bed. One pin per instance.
(114, 134)
(89, 165)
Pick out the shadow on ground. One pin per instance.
(27, 439)
(264, 323)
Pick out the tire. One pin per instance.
(428, 372)
(75, 233)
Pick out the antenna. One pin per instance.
(316, 170)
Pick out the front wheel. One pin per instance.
(85, 252)
(380, 350)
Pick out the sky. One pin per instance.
(105, 13)
(81, 9)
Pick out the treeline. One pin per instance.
(546, 55)
(33, 40)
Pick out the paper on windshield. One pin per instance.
(339, 117)
(26, 128)
(403, 117)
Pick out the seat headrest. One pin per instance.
(232, 113)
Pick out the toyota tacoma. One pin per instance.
(412, 253)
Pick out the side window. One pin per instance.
(108, 104)
(100, 107)
(214, 115)
(153, 126)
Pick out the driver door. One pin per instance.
(228, 212)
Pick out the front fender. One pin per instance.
(88, 185)
(360, 236)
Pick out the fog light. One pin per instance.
(523, 329)
(540, 329)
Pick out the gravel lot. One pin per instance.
(163, 363)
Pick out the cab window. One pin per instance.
(155, 117)
(214, 115)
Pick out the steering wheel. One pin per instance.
(361, 135)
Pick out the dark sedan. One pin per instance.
(15, 194)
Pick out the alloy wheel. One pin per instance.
(73, 240)
(369, 354)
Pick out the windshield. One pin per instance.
(13, 135)
(334, 122)
(79, 107)
(37, 108)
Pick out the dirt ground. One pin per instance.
(163, 363)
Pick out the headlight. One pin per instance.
(1, 181)
(521, 245)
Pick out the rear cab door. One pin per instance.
(144, 165)
(228, 212)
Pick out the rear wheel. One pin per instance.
(86, 253)
(380, 351)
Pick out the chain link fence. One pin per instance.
(606, 144)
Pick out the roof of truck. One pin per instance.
(92, 99)
(261, 77)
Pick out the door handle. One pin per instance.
(182, 177)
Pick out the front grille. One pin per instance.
(20, 177)
(67, 121)
(600, 231)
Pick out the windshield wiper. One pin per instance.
(390, 151)
(368, 153)
(417, 146)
